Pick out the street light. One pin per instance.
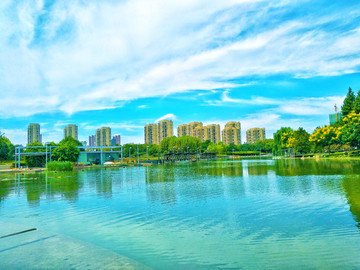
(137, 154)
(129, 154)
(147, 152)
(173, 149)
(233, 153)
(187, 149)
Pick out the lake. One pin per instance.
(242, 214)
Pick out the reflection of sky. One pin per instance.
(188, 219)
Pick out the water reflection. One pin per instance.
(351, 188)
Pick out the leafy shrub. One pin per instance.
(60, 166)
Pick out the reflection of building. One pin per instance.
(165, 129)
(92, 140)
(232, 133)
(103, 136)
(255, 134)
(151, 134)
(116, 140)
(72, 131)
(335, 117)
(34, 133)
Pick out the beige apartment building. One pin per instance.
(199, 132)
(34, 133)
(183, 130)
(165, 129)
(192, 126)
(232, 133)
(103, 136)
(255, 134)
(71, 130)
(151, 134)
(212, 133)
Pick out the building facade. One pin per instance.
(92, 140)
(192, 126)
(72, 131)
(212, 133)
(165, 129)
(34, 133)
(232, 133)
(183, 130)
(116, 140)
(103, 136)
(151, 134)
(255, 134)
(335, 117)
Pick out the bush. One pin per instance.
(59, 166)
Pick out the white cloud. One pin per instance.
(98, 55)
(168, 116)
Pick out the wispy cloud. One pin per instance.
(92, 55)
(168, 116)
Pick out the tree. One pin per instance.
(325, 136)
(282, 139)
(357, 103)
(348, 104)
(6, 148)
(301, 142)
(218, 148)
(34, 161)
(349, 133)
(67, 150)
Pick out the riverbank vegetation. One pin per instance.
(59, 166)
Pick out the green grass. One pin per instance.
(59, 166)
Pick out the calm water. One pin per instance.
(247, 214)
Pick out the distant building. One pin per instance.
(151, 134)
(34, 133)
(92, 140)
(199, 133)
(84, 143)
(335, 117)
(116, 140)
(183, 130)
(192, 126)
(255, 134)
(232, 133)
(212, 133)
(165, 129)
(72, 131)
(103, 136)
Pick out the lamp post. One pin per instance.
(129, 154)
(137, 154)
(173, 149)
(233, 153)
(187, 149)
(147, 153)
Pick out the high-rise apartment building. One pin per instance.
(103, 136)
(212, 133)
(199, 132)
(255, 134)
(34, 133)
(151, 134)
(183, 130)
(232, 133)
(72, 131)
(165, 129)
(116, 140)
(92, 140)
(192, 126)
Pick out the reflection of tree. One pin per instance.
(351, 187)
(258, 169)
(5, 189)
(293, 167)
(218, 168)
(65, 184)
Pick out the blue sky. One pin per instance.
(127, 63)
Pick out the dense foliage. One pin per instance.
(6, 148)
(59, 166)
(67, 150)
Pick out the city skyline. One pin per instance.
(263, 63)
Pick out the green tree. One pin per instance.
(67, 150)
(34, 161)
(348, 104)
(6, 148)
(301, 142)
(350, 131)
(218, 148)
(282, 139)
(357, 103)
